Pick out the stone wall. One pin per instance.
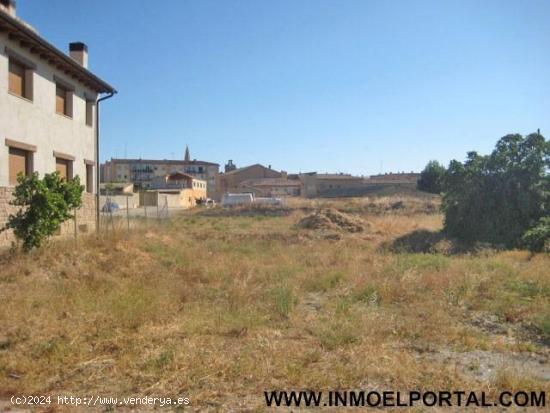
(84, 221)
(5, 210)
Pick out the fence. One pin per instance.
(116, 216)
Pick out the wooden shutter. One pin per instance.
(18, 163)
(60, 100)
(16, 78)
(62, 166)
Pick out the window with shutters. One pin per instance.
(20, 79)
(20, 162)
(63, 101)
(64, 167)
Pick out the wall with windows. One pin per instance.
(144, 172)
(47, 123)
(46, 118)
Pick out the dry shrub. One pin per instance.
(331, 219)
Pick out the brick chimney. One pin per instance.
(79, 52)
(9, 6)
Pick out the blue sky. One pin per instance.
(354, 86)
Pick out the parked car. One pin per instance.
(110, 206)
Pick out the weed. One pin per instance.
(284, 300)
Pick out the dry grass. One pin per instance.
(220, 308)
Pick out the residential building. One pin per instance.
(231, 181)
(48, 119)
(176, 189)
(271, 187)
(142, 172)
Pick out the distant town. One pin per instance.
(176, 175)
(50, 122)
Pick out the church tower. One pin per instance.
(187, 155)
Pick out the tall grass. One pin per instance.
(214, 305)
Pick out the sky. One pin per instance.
(354, 86)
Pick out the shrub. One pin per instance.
(45, 204)
(497, 198)
(538, 237)
(431, 178)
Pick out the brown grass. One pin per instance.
(220, 308)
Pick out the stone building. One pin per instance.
(48, 116)
(231, 181)
(271, 187)
(331, 185)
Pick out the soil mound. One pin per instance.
(331, 219)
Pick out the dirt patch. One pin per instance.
(486, 365)
(331, 219)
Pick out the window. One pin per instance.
(89, 178)
(20, 79)
(20, 161)
(89, 112)
(64, 167)
(63, 100)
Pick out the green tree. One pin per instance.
(431, 178)
(538, 237)
(45, 204)
(498, 197)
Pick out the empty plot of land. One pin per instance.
(222, 307)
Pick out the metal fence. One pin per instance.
(114, 216)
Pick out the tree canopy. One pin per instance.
(498, 197)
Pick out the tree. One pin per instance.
(498, 197)
(431, 178)
(538, 237)
(45, 204)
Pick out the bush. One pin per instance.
(538, 238)
(45, 204)
(497, 198)
(431, 178)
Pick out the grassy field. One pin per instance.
(220, 306)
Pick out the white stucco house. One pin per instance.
(48, 112)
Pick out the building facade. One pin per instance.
(47, 112)
(331, 185)
(142, 172)
(231, 181)
(271, 187)
(175, 190)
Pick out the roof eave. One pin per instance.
(38, 45)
